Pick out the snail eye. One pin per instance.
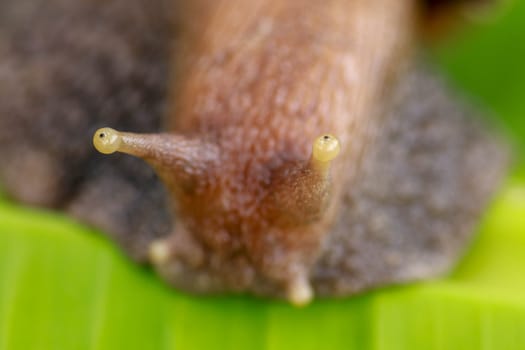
(326, 148)
(107, 140)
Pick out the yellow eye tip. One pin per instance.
(326, 148)
(107, 140)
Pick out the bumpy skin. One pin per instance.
(409, 213)
(261, 85)
(415, 177)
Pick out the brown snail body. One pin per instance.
(259, 202)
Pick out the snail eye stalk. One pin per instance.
(325, 149)
(176, 159)
(302, 191)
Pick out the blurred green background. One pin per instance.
(64, 287)
(487, 60)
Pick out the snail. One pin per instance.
(287, 149)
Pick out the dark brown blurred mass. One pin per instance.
(66, 69)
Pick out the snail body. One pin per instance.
(250, 95)
(272, 168)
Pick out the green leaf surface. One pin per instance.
(65, 287)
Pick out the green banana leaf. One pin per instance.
(63, 286)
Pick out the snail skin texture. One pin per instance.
(288, 149)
